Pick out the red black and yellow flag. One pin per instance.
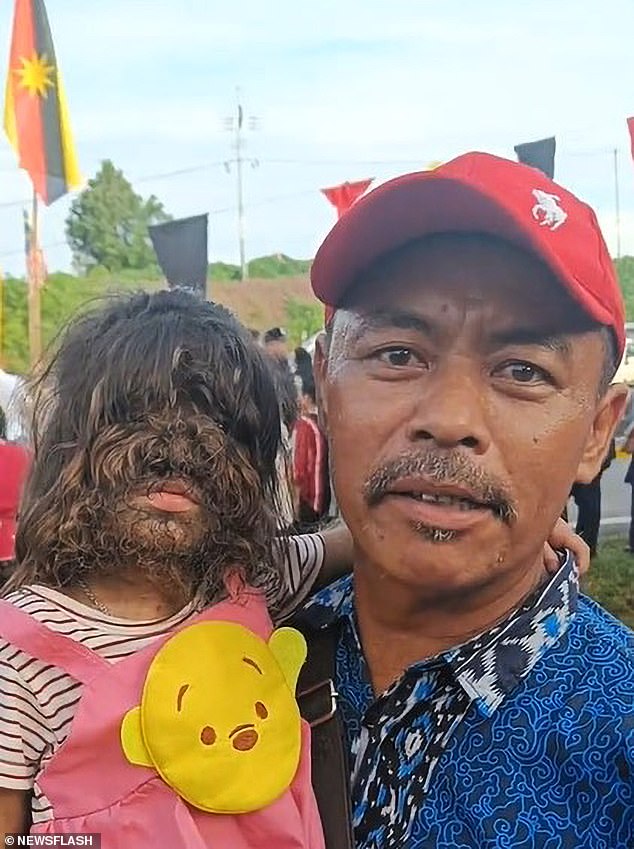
(35, 112)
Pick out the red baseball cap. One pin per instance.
(477, 193)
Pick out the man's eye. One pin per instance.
(523, 373)
(398, 357)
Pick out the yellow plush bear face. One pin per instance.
(218, 718)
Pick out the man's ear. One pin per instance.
(608, 414)
(320, 366)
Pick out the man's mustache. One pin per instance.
(453, 468)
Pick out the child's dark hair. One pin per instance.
(151, 384)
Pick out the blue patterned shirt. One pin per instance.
(522, 737)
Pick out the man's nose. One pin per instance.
(450, 411)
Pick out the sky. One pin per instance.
(342, 90)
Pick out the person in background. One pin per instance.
(276, 344)
(587, 497)
(14, 465)
(275, 347)
(629, 478)
(10, 400)
(310, 449)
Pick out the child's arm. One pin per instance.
(14, 812)
(24, 732)
(307, 563)
(337, 555)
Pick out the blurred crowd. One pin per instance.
(303, 466)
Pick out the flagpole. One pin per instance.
(34, 283)
(617, 204)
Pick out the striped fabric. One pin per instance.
(38, 701)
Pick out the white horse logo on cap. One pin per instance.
(547, 210)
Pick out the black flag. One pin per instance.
(181, 249)
(540, 154)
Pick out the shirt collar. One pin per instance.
(490, 666)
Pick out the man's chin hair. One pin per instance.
(438, 536)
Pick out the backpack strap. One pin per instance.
(37, 640)
(317, 699)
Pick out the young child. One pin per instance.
(149, 517)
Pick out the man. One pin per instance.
(587, 497)
(310, 449)
(275, 344)
(277, 352)
(475, 323)
(10, 386)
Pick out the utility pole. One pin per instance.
(244, 270)
(236, 126)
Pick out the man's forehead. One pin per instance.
(497, 331)
(458, 256)
(477, 274)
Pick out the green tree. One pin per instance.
(278, 265)
(108, 223)
(303, 319)
(625, 270)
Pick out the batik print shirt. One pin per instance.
(523, 737)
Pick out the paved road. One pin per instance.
(615, 500)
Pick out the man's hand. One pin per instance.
(562, 536)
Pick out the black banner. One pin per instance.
(540, 154)
(181, 250)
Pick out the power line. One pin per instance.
(20, 252)
(219, 211)
(265, 201)
(192, 169)
(204, 166)
(273, 198)
(343, 161)
(10, 203)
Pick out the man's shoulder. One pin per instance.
(600, 633)
(593, 664)
(328, 604)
